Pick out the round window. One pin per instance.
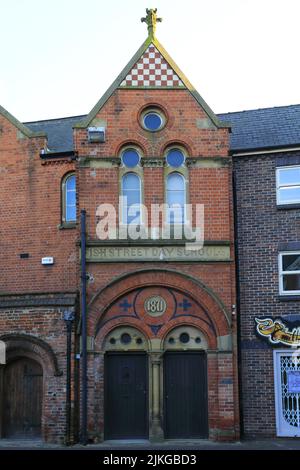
(153, 120)
(130, 158)
(175, 158)
(184, 338)
(125, 338)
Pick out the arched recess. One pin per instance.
(126, 392)
(184, 393)
(203, 316)
(20, 345)
(26, 352)
(206, 299)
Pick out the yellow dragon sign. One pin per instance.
(277, 332)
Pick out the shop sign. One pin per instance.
(278, 332)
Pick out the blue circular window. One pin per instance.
(130, 158)
(175, 158)
(153, 121)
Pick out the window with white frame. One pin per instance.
(175, 198)
(289, 273)
(69, 199)
(288, 185)
(131, 199)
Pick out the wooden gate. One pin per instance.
(185, 390)
(22, 399)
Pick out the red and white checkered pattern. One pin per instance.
(152, 70)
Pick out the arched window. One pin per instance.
(175, 198)
(175, 157)
(131, 198)
(69, 199)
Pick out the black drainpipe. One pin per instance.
(83, 434)
(69, 317)
(238, 310)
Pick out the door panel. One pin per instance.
(287, 392)
(22, 402)
(126, 396)
(185, 389)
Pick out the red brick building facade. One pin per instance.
(161, 324)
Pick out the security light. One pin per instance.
(96, 134)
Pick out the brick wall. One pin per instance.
(36, 330)
(261, 228)
(31, 214)
(209, 185)
(30, 210)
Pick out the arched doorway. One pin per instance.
(185, 384)
(22, 399)
(126, 385)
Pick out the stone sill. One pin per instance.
(67, 226)
(281, 207)
(289, 298)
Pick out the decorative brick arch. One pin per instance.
(20, 345)
(209, 313)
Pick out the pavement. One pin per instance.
(278, 444)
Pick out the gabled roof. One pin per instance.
(21, 127)
(119, 83)
(264, 128)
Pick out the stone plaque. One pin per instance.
(115, 254)
(155, 306)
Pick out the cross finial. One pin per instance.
(151, 20)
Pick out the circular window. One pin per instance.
(175, 158)
(125, 338)
(130, 158)
(153, 120)
(198, 340)
(139, 341)
(184, 338)
(112, 341)
(171, 340)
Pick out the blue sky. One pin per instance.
(59, 56)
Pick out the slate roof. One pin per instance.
(252, 129)
(59, 132)
(263, 128)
